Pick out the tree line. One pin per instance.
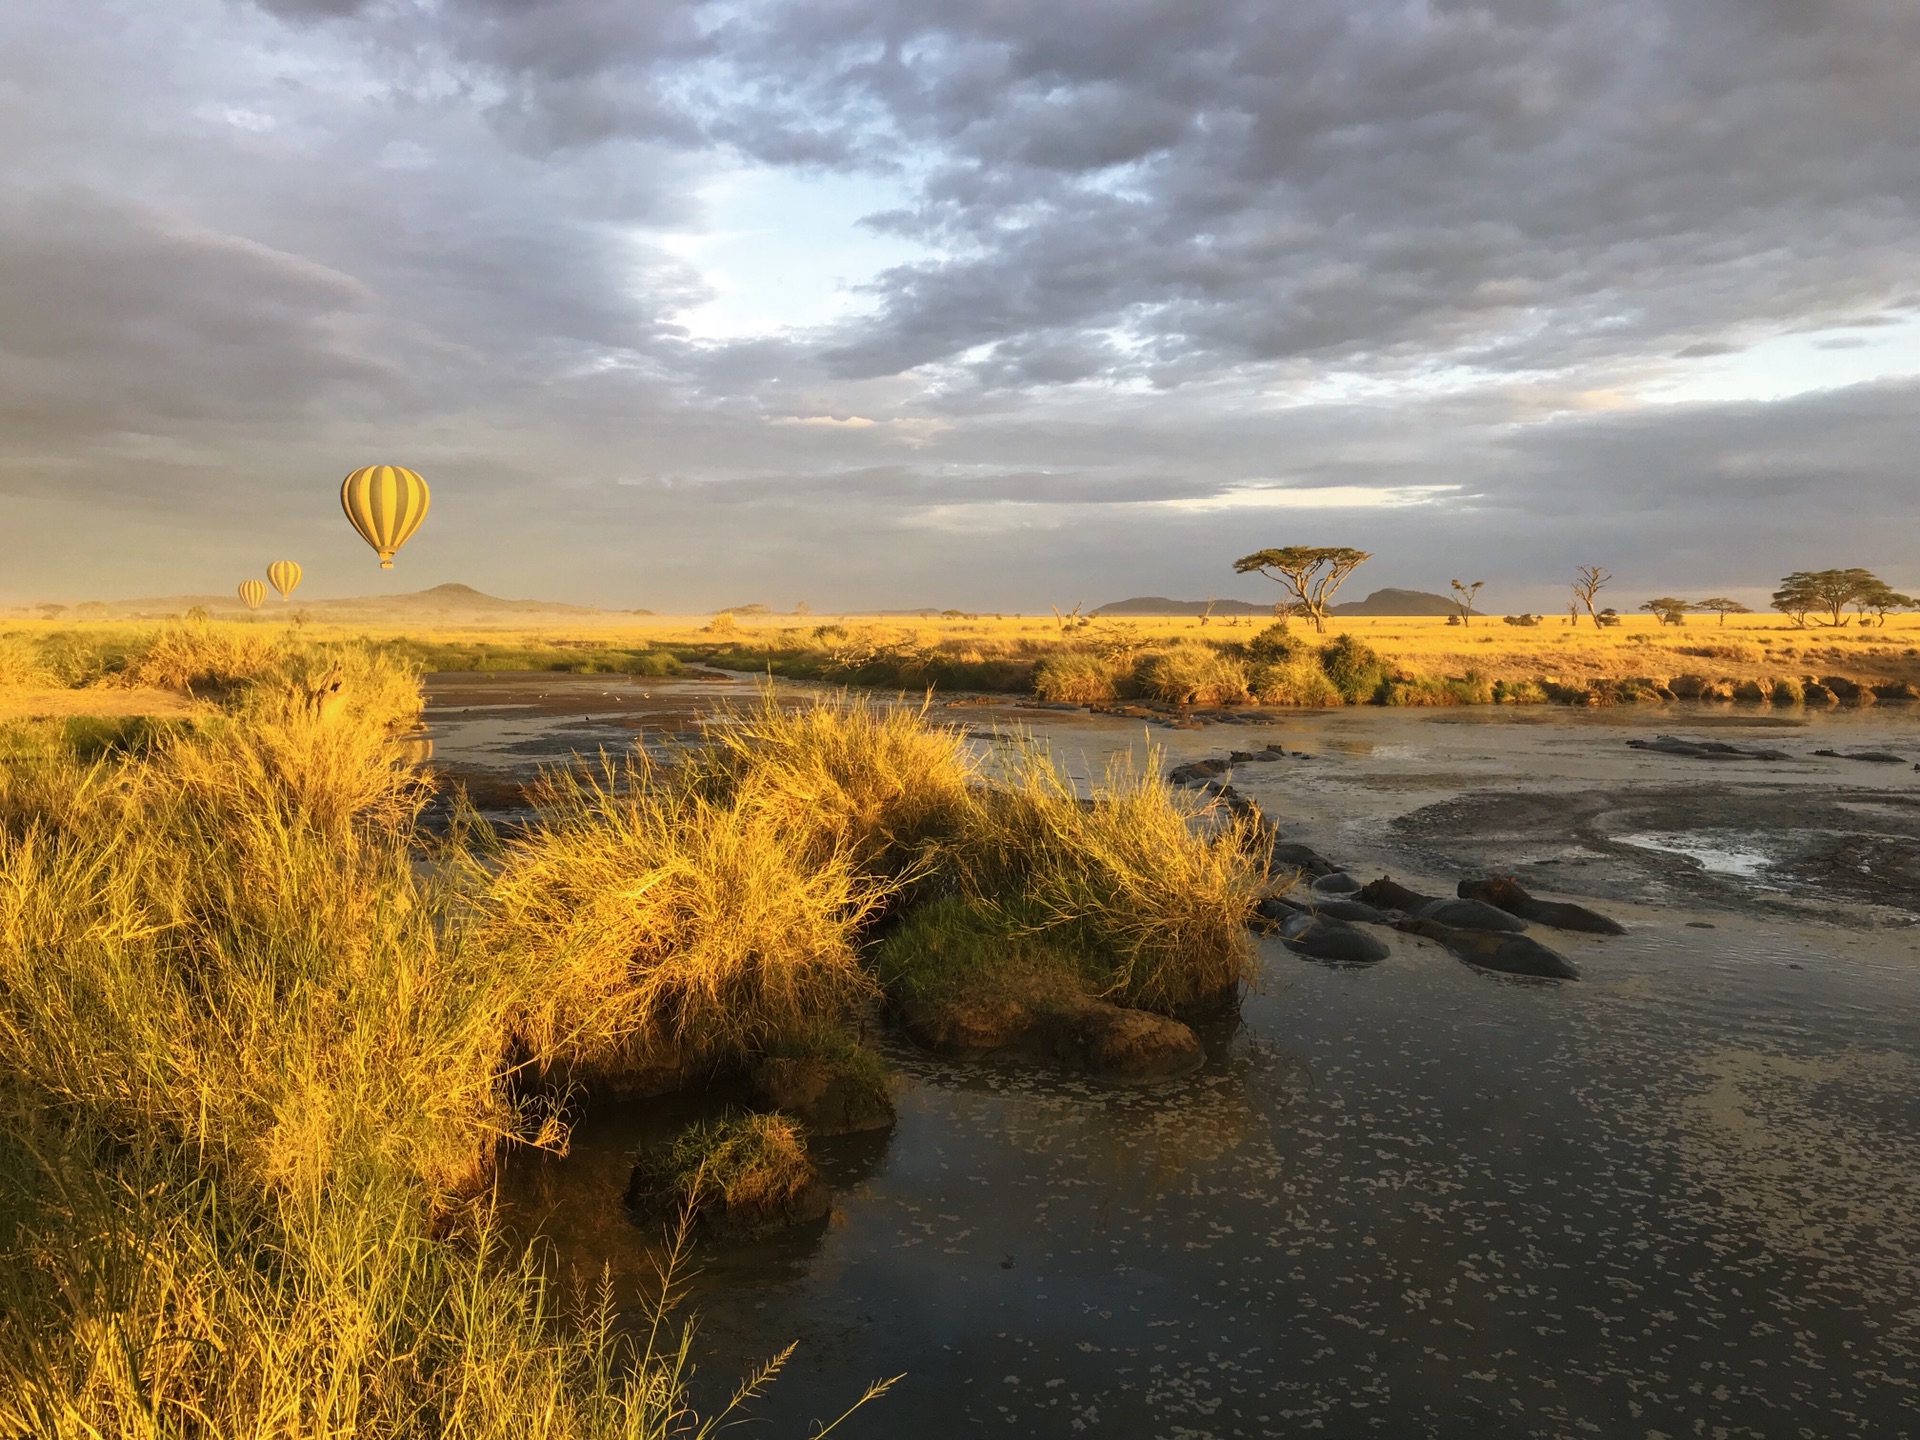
(1310, 575)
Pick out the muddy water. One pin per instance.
(1679, 1197)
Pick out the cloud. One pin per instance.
(1045, 299)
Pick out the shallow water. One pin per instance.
(1679, 1197)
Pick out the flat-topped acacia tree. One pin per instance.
(1720, 605)
(1311, 573)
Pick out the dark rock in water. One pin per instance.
(826, 1096)
(1898, 690)
(1459, 914)
(1704, 749)
(1194, 771)
(1511, 954)
(1507, 893)
(969, 1027)
(1119, 1044)
(1872, 757)
(1338, 883)
(1256, 757)
(1849, 690)
(1814, 693)
(1304, 858)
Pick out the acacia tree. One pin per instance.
(1588, 581)
(1878, 598)
(1807, 593)
(1720, 605)
(1671, 611)
(1310, 573)
(1463, 598)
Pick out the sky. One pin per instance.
(973, 303)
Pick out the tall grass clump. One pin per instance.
(1078, 677)
(252, 1068)
(1295, 680)
(1193, 675)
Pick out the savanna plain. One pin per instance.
(466, 1030)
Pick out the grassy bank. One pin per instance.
(263, 1037)
(1155, 661)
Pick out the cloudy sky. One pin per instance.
(983, 303)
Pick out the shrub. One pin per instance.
(1356, 671)
(1077, 678)
(1193, 675)
(1519, 692)
(1787, 691)
(749, 1168)
(1523, 620)
(1276, 644)
(1296, 681)
(1427, 690)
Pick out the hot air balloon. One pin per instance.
(253, 592)
(284, 575)
(386, 504)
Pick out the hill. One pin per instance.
(438, 603)
(1381, 602)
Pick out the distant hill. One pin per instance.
(1396, 602)
(1380, 602)
(441, 602)
(1160, 605)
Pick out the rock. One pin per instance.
(828, 1097)
(1753, 692)
(1256, 757)
(1114, 1043)
(1338, 883)
(1898, 690)
(1511, 954)
(1321, 937)
(1304, 858)
(1688, 687)
(1847, 690)
(1506, 892)
(969, 1027)
(1457, 914)
(1815, 693)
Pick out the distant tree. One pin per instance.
(1463, 599)
(1310, 573)
(1723, 607)
(1878, 599)
(1588, 581)
(1521, 619)
(1671, 611)
(1809, 594)
(1606, 617)
(800, 607)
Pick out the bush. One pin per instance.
(746, 1168)
(1788, 691)
(1519, 692)
(1276, 644)
(1193, 675)
(1522, 620)
(1428, 690)
(1356, 671)
(1076, 678)
(1296, 681)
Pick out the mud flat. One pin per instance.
(1679, 1196)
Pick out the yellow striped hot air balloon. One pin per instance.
(386, 504)
(283, 575)
(253, 592)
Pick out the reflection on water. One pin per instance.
(1681, 1197)
(1712, 852)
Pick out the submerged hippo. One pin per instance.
(1506, 892)
(1319, 936)
(1461, 914)
(1338, 883)
(1289, 856)
(1513, 954)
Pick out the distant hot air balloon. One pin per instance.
(284, 574)
(386, 504)
(253, 592)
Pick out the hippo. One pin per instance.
(1290, 856)
(1513, 954)
(1338, 883)
(1459, 914)
(1505, 892)
(1319, 936)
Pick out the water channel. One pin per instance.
(1678, 1197)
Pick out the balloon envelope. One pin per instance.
(284, 575)
(253, 592)
(386, 504)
